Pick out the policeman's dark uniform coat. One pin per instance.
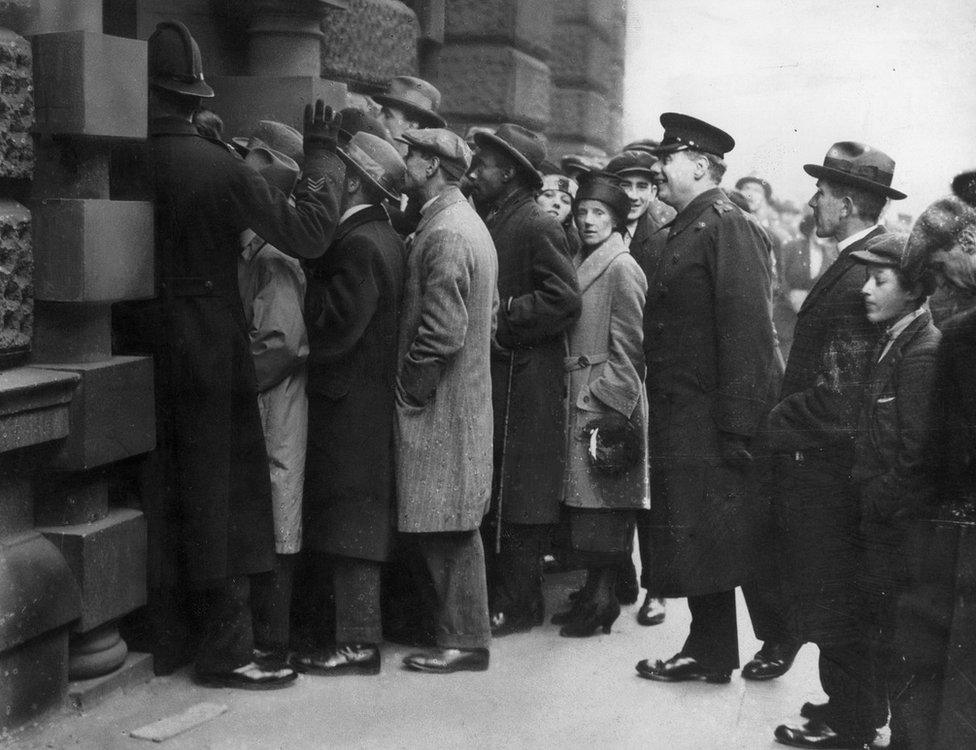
(352, 308)
(711, 367)
(539, 299)
(210, 428)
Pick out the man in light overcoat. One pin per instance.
(443, 397)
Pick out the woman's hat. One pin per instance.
(525, 148)
(603, 187)
(614, 444)
(377, 161)
(560, 182)
(859, 165)
(943, 235)
(276, 168)
(416, 97)
(174, 61)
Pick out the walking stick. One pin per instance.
(501, 475)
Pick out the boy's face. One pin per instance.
(885, 299)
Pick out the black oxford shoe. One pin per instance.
(681, 669)
(358, 658)
(447, 660)
(771, 661)
(502, 624)
(819, 735)
(651, 612)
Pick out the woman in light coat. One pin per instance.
(606, 476)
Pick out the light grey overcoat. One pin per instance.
(443, 400)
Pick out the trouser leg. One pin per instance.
(519, 570)
(357, 600)
(713, 640)
(856, 705)
(271, 604)
(767, 611)
(456, 562)
(227, 641)
(644, 546)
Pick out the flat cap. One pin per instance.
(631, 161)
(454, 153)
(886, 249)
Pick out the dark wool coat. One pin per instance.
(815, 501)
(647, 244)
(711, 368)
(207, 406)
(538, 300)
(352, 308)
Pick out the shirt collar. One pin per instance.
(427, 205)
(353, 210)
(895, 330)
(845, 243)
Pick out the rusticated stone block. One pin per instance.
(16, 106)
(34, 406)
(16, 282)
(370, 43)
(90, 84)
(243, 101)
(72, 332)
(582, 59)
(112, 413)
(108, 560)
(35, 678)
(525, 24)
(487, 82)
(68, 499)
(93, 250)
(14, 14)
(580, 115)
(602, 15)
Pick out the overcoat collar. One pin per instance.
(590, 268)
(375, 212)
(686, 217)
(512, 200)
(450, 197)
(884, 369)
(836, 269)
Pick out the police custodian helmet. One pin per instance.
(174, 61)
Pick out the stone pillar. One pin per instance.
(286, 36)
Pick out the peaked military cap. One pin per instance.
(524, 147)
(631, 161)
(174, 61)
(683, 132)
(857, 164)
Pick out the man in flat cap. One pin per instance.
(813, 430)
(443, 397)
(209, 429)
(539, 299)
(712, 374)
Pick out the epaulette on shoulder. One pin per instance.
(722, 206)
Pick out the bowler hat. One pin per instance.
(603, 187)
(859, 165)
(377, 161)
(416, 97)
(275, 135)
(449, 147)
(686, 132)
(613, 444)
(627, 162)
(887, 249)
(524, 147)
(356, 121)
(276, 168)
(174, 61)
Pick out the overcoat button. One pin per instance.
(674, 258)
(208, 285)
(586, 399)
(583, 361)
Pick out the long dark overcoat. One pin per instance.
(711, 367)
(207, 409)
(352, 308)
(539, 299)
(815, 501)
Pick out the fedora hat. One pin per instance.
(375, 160)
(524, 147)
(276, 168)
(356, 121)
(416, 97)
(859, 165)
(274, 135)
(174, 61)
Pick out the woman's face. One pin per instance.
(555, 202)
(594, 221)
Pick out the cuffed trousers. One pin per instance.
(713, 639)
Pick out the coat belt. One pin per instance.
(583, 361)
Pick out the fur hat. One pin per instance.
(943, 241)
(613, 444)
(964, 186)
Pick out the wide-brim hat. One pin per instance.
(377, 161)
(356, 121)
(274, 135)
(416, 97)
(603, 187)
(174, 61)
(524, 147)
(858, 165)
(628, 162)
(275, 167)
(683, 132)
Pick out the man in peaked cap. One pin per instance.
(540, 299)
(408, 104)
(210, 439)
(813, 430)
(443, 397)
(712, 374)
(352, 306)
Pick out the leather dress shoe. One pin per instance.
(814, 711)
(447, 660)
(651, 612)
(502, 624)
(251, 676)
(358, 658)
(820, 736)
(681, 668)
(771, 661)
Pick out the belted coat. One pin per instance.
(538, 300)
(605, 374)
(209, 429)
(353, 307)
(443, 399)
(712, 367)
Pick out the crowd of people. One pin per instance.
(393, 359)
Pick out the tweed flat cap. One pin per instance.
(453, 152)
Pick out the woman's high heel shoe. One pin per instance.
(591, 618)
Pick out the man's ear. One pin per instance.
(508, 174)
(353, 183)
(701, 167)
(847, 207)
(433, 165)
